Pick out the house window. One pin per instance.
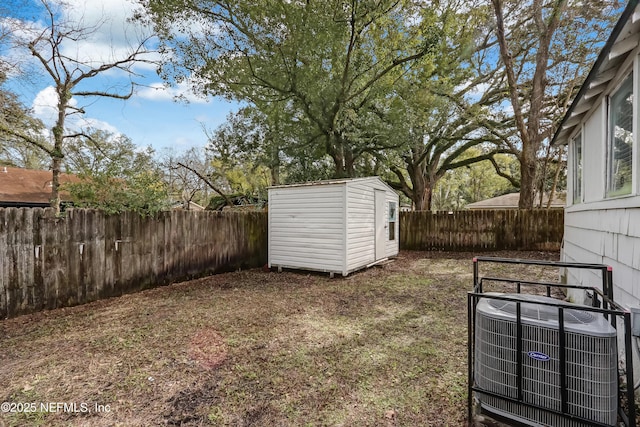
(620, 140)
(393, 215)
(577, 169)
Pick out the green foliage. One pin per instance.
(436, 120)
(473, 183)
(327, 66)
(115, 175)
(539, 54)
(253, 150)
(143, 192)
(217, 203)
(16, 119)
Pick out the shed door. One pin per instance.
(381, 235)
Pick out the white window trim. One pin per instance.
(607, 128)
(392, 220)
(574, 162)
(635, 188)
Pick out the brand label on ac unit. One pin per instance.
(539, 356)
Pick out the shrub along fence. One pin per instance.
(536, 229)
(48, 262)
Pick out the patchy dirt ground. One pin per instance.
(383, 347)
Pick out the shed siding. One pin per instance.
(360, 224)
(327, 226)
(306, 227)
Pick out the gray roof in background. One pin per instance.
(510, 201)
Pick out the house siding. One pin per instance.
(599, 229)
(605, 236)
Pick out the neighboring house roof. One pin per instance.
(623, 40)
(510, 201)
(28, 188)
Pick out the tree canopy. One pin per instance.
(115, 175)
(327, 65)
(68, 75)
(416, 92)
(545, 49)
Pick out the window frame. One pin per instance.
(577, 165)
(392, 219)
(611, 192)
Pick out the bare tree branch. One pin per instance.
(208, 182)
(506, 176)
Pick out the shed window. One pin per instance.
(577, 169)
(393, 214)
(620, 140)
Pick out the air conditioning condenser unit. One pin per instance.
(526, 380)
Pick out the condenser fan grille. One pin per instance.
(541, 312)
(590, 357)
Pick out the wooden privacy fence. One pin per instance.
(48, 262)
(537, 229)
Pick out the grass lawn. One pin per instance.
(383, 347)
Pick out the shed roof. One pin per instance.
(334, 182)
(623, 40)
(27, 187)
(511, 200)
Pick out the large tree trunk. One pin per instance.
(339, 170)
(275, 175)
(55, 184)
(528, 167)
(275, 166)
(529, 124)
(343, 159)
(420, 202)
(426, 198)
(423, 182)
(58, 140)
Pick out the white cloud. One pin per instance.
(86, 123)
(114, 40)
(113, 32)
(478, 90)
(45, 108)
(45, 105)
(21, 32)
(473, 92)
(161, 92)
(106, 33)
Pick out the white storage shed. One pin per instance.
(335, 226)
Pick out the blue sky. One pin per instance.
(151, 117)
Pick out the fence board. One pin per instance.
(537, 229)
(50, 262)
